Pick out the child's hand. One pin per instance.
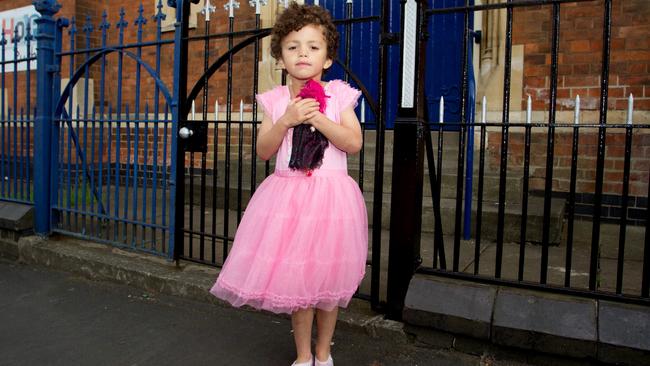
(299, 110)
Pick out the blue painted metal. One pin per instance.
(43, 125)
(98, 191)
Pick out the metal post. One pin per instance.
(179, 114)
(43, 121)
(408, 154)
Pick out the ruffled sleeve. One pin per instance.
(264, 100)
(346, 95)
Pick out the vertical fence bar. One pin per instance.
(505, 135)
(572, 194)
(645, 282)
(159, 17)
(550, 144)
(461, 142)
(140, 21)
(72, 34)
(87, 29)
(226, 199)
(28, 108)
(594, 263)
(127, 167)
(121, 24)
(191, 193)
(380, 140)
(479, 198)
(240, 153)
(438, 240)
(524, 199)
(215, 177)
(104, 26)
(625, 195)
(207, 10)
(256, 77)
(56, 148)
(16, 156)
(3, 117)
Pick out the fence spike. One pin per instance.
(630, 108)
(529, 110)
(241, 110)
(363, 111)
(441, 110)
(207, 10)
(160, 16)
(484, 110)
(231, 5)
(257, 4)
(576, 112)
(216, 112)
(193, 112)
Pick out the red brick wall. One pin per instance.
(579, 62)
(587, 157)
(580, 56)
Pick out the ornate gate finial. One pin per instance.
(207, 10)
(231, 5)
(49, 7)
(258, 5)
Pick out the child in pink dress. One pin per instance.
(302, 243)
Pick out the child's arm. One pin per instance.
(270, 134)
(345, 136)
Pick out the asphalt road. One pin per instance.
(55, 318)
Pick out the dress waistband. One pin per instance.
(313, 173)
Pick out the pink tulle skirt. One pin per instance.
(302, 242)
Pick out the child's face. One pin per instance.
(304, 53)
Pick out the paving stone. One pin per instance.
(624, 333)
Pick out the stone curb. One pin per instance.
(150, 273)
(546, 323)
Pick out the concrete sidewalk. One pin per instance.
(55, 318)
(61, 318)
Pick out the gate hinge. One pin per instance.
(389, 38)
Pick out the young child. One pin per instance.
(301, 245)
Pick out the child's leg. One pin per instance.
(326, 321)
(301, 321)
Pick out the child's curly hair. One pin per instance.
(294, 18)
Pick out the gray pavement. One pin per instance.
(56, 318)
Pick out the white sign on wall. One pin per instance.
(13, 25)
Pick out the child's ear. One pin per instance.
(328, 63)
(280, 65)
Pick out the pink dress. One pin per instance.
(303, 240)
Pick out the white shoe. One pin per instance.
(307, 363)
(329, 362)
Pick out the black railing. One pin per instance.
(592, 265)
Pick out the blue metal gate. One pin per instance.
(111, 157)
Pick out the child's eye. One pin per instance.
(315, 48)
(291, 48)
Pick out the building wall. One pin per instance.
(579, 73)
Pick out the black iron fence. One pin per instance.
(566, 228)
(541, 208)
